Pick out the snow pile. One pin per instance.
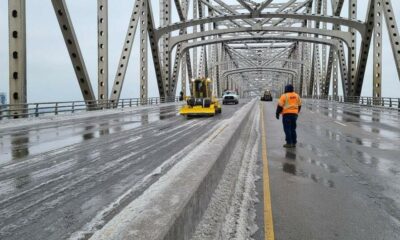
(231, 212)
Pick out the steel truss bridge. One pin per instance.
(135, 169)
(241, 44)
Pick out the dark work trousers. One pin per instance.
(289, 126)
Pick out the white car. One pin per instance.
(230, 97)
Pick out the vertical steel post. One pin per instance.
(353, 46)
(335, 74)
(102, 48)
(324, 49)
(183, 74)
(377, 72)
(165, 19)
(301, 50)
(195, 15)
(143, 52)
(17, 56)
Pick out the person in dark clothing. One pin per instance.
(289, 106)
(181, 96)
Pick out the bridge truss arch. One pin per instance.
(332, 45)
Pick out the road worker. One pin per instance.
(289, 105)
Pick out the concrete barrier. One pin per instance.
(172, 207)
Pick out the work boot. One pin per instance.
(293, 145)
(287, 145)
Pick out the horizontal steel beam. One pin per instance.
(344, 36)
(331, 42)
(356, 24)
(262, 69)
(263, 59)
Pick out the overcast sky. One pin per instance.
(50, 73)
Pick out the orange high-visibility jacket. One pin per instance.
(290, 102)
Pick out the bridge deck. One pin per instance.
(58, 178)
(69, 176)
(343, 179)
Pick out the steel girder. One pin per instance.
(264, 59)
(155, 51)
(355, 87)
(377, 72)
(393, 30)
(126, 52)
(262, 7)
(143, 53)
(292, 72)
(336, 8)
(333, 34)
(71, 41)
(102, 48)
(331, 42)
(186, 68)
(17, 56)
(165, 20)
(359, 25)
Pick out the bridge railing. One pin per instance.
(386, 102)
(55, 108)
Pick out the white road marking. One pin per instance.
(344, 125)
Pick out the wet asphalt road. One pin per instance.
(343, 179)
(56, 178)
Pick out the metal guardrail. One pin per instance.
(393, 103)
(54, 108)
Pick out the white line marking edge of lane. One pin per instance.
(342, 124)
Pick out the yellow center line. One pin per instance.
(268, 220)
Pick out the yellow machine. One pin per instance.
(202, 103)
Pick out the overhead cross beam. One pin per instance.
(245, 5)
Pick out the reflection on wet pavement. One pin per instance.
(168, 112)
(353, 152)
(296, 168)
(22, 144)
(289, 168)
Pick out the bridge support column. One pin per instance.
(195, 30)
(324, 49)
(143, 53)
(335, 64)
(102, 48)
(377, 72)
(184, 74)
(165, 20)
(353, 46)
(17, 57)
